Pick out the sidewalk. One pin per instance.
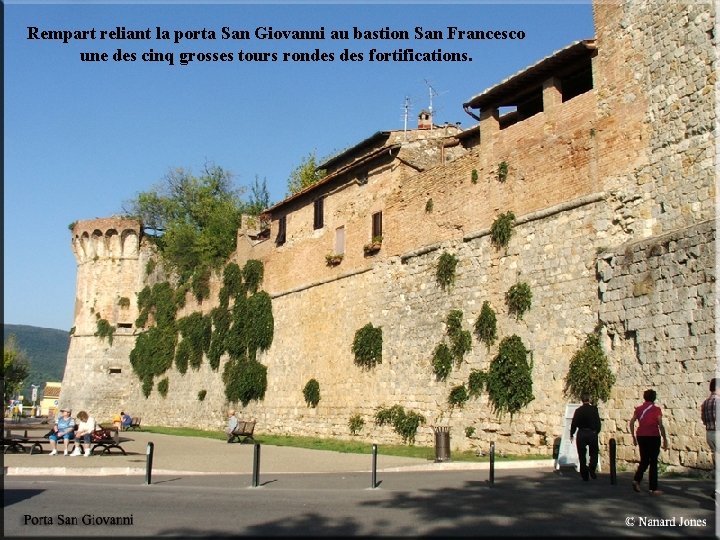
(174, 454)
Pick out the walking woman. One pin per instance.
(647, 439)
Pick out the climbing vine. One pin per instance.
(476, 383)
(460, 340)
(502, 230)
(486, 325)
(367, 346)
(458, 396)
(519, 299)
(445, 273)
(311, 392)
(442, 361)
(356, 423)
(589, 372)
(104, 329)
(163, 387)
(240, 330)
(509, 380)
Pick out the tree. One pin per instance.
(259, 197)
(194, 220)
(16, 367)
(305, 174)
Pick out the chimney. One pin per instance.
(424, 120)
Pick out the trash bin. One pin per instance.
(442, 443)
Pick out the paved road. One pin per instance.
(202, 487)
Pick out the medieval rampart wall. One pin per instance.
(625, 171)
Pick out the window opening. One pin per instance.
(280, 240)
(318, 221)
(377, 229)
(340, 240)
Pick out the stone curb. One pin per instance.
(135, 471)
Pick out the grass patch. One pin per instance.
(344, 445)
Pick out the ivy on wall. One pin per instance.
(355, 424)
(486, 325)
(519, 299)
(104, 329)
(589, 372)
(163, 387)
(367, 346)
(509, 380)
(501, 230)
(240, 330)
(311, 393)
(445, 272)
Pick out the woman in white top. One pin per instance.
(83, 436)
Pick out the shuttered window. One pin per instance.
(377, 229)
(318, 221)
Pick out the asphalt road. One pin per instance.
(521, 502)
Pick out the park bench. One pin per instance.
(18, 443)
(243, 432)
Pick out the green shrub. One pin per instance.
(252, 274)
(474, 176)
(367, 346)
(502, 230)
(201, 395)
(182, 356)
(124, 302)
(163, 386)
(469, 431)
(519, 299)
(311, 392)
(404, 423)
(200, 283)
(245, 380)
(460, 340)
(445, 273)
(105, 330)
(486, 325)
(150, 266)
(509, 380)
(458, 396)
(442, 361)
(429, 206)
(502, 171)
(147, 385)
(589, 372)
(356, 423)
(476, 382)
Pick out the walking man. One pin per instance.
(586, 421)
(708, 412)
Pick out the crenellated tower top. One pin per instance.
(114, 237)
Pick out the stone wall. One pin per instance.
(625, 171)
(658, 304)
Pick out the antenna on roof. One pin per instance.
(406, 110)
(433, 93)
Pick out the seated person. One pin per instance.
(117, 421)
(232, 424)
(84, 434)
(65, 428)
(125, 420)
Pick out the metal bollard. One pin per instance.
(256, 466)
(374, 467)
(492, 463)
(613, 458)
(148, 463)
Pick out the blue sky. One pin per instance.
(83, 138)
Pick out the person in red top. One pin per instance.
(647, 439)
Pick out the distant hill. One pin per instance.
(46, 349)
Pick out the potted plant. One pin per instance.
(374, 245)
(333, 259)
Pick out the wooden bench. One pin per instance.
(243, 432)
(134, 423)
(17, 444)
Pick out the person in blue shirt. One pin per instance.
(125, 420)
(64, 428)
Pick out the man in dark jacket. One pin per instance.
(586, 421)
